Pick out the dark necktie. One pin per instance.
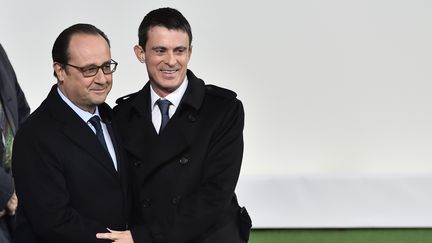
(95, 121)
(163, 107)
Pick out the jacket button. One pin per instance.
(146, 203)
(176, 200)
(137, 163)
(191, 118)
(183, 160)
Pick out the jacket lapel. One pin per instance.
(155, 150)
(78, 131)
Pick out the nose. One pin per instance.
(171, 59)
(100, 77)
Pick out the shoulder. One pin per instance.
(198, 85)
(221, 100)
(216, 91)
(126, 99)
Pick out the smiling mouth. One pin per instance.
(99, 90)
(169, 71)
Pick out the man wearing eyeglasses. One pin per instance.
(67, 162)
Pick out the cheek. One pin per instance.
(184, 61)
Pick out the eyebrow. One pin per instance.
(94, 64)
(165, 48)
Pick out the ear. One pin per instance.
(59, 70)
(139, 53)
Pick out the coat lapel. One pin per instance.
(78, 131)
(155, 150)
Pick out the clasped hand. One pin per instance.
(116, 236)
(10, 206)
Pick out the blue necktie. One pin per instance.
(95, 121)
(163, 107)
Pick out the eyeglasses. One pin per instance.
(92, 70)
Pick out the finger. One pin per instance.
(106, 236)
(114, 231)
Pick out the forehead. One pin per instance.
(161, 36)
(88, 48)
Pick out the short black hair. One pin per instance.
(167, 17)
(60, 51)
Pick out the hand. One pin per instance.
(116, 236)
(12, 204)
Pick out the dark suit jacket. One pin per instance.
(184, 178)
(67, 185)
(16, 108)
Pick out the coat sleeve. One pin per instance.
(43, 193)
(202, 209)
(20, 109)
(23, 107)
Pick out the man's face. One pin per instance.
(85, 92)
(166, 55)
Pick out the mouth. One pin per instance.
(170, 71)
(99, 90)
(169, 74)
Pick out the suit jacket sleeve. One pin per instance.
(46, 201)
(201, 210)
(23, 107)
(18, 106)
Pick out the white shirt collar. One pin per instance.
(85, 115)
(174, 97)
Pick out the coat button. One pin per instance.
(146, 203)
(191, 118)
(183, 160)
(176, 200)
(137, 163)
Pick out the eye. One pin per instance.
(106, 67)
(90, 69)
(180, 50)
(159, 51)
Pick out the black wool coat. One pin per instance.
(67, 185)
(183, 179)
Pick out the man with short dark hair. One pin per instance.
(69, 173)
(184, 143)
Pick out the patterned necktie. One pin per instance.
(163, 107)
(95, 121)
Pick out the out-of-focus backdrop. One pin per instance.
(337, 96)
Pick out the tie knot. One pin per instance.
(163, 106)
(95, 121)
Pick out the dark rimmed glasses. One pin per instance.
(92, 70)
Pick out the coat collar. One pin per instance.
(193, 96)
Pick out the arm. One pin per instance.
(10, 80)
(23, 107)
(43, 193)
